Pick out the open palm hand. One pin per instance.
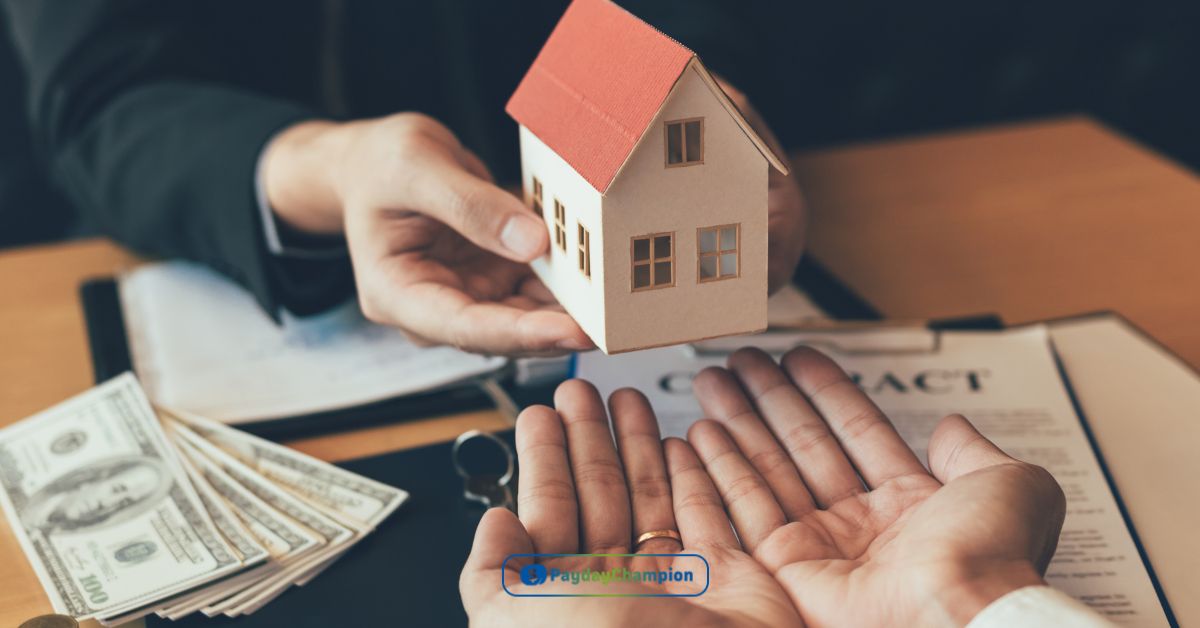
(580, 494)
(825, 494)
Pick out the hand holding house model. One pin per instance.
(651, 182)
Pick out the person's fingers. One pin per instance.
(417, 339)
(499, 535)
(823, 466)
(487, 278)
(426, 298)
(747, 497)
(483, 213)
(474, 164)
(444, 314)
(497, 328)
(699, 511)
(956, 448)
(546, 495)
(722, 398)
(866, 435)
(522, 303)
(533, 287)
(604, 518)
(640, 447)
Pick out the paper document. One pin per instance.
(1006, 383)
(202, 344)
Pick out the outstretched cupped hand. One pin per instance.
(581, 493)
(826, 495)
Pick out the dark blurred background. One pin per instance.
(835, 72)
(865, 69)
(30, 209)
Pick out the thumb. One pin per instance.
(956, 448)
(480, 211)
(1036, 501)
(499, 535)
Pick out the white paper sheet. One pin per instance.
(1008, 385)
(202, 344)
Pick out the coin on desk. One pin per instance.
(50, 621)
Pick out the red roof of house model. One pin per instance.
(596, 85)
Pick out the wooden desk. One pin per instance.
(1028, 221)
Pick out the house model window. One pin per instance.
(653, 261)
(717, 249)
(585, 251)
(560, 226)
(537, 196)
(685, 142)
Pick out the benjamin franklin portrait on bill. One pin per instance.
(100, 494)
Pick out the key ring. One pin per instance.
(473, 434)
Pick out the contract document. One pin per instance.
(1007, 383)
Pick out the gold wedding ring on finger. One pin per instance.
(657, 534)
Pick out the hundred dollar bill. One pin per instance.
(252, 554)
(332, 533)
(102, 508)
(293, 573)
(248, 549)
(355, 501)
(262, 592)
(182, 606)
(358, 501)
(283, 538)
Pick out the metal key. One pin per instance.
(490, 489)
(487, 490)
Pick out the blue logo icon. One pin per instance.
(533, 574)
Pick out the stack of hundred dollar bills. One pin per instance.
(126, 510)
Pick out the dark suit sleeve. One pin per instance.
(154, 146)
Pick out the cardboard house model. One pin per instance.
(652, 185)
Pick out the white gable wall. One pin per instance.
(647, 197)
(582, 298)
